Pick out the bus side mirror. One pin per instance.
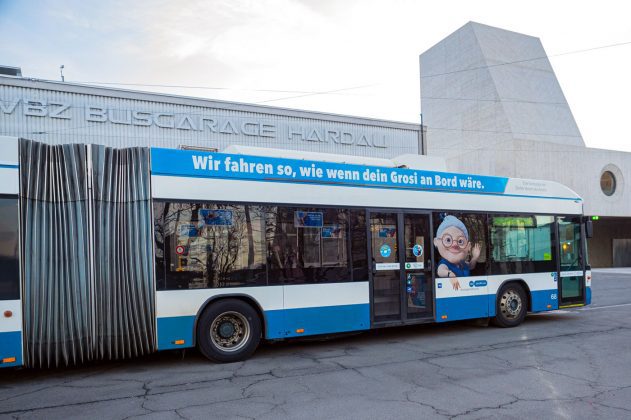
(589, 229)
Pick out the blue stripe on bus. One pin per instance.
(542, 298)
(4, 165)
(237, 166)
(175, 328)
(588, 295)
(281, 323)
(465, 307)
(481, 306)
(11, 346)
(319, 320)
(492, 300)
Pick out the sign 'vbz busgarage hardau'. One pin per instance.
(191, 122)
(220, 165)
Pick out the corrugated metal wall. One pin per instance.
(48, 121)
(87, 256)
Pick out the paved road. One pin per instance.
(568, 364)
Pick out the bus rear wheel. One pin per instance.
(228, 331)
(511, 306)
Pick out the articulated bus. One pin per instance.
(113, 253)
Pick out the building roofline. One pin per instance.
(476, 26)
(165, 98)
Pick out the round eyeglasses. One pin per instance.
(448, 241)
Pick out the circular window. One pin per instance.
(608, 183)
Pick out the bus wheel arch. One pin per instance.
(524, 285)
(512, 302)
(246, 298)
(229, 328)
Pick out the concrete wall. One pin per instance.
(579, 168)
(481, 86)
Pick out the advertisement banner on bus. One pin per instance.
(262, 168)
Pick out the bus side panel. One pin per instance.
(544, 300)
(327, 308)
(476, 296)
(177, 312)
(11, 333)
(459, 308)
(467, 301)
(171, 330)
(543, 290)
(289, 311)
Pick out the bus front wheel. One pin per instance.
(228, 331)
(511, 306)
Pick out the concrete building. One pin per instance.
(492, 105)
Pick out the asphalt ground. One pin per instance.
(573, 363)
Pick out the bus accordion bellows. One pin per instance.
(114, 253)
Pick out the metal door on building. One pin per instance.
(621, 252)
(401, 281)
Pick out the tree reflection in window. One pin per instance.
(232, 245)
(214, 245)
(311, 252)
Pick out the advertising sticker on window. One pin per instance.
(308, 219)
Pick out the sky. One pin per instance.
(354, 57)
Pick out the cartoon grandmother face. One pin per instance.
(452, 240)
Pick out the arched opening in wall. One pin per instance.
(608, 183)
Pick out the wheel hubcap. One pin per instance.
(229, 331)
(226, 330)
(510, 304)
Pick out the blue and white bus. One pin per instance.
(224, 250)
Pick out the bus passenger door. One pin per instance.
(10, 299)
(10, 302)
(571, 262)
(417, 267)
(401, 284)
(385, 297)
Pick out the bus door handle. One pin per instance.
(428, 266)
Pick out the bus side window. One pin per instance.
(307, 245)
(522, 244)
(214, 245)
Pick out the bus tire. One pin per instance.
(228, 331)
(511, 306)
